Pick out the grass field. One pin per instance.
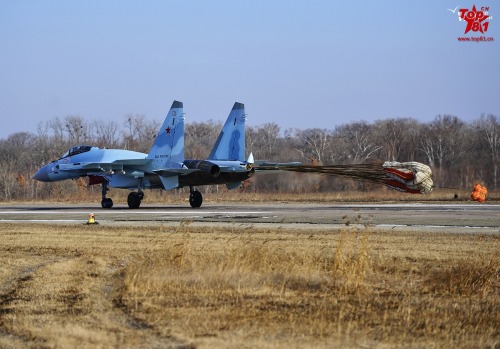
(65, 286)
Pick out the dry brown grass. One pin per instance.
(100, 286)
(220, 194)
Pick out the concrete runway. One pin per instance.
(452, 218)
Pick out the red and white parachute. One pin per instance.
(411, 177)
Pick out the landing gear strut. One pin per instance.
(195, 198)
(105, 202)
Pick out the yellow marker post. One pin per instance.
(91, 219)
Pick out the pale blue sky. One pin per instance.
(300, 64)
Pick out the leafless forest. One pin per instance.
(458, 152)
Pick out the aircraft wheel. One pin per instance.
(195, 199)
(134, 200)
(107, 203)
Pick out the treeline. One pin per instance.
(459, 153)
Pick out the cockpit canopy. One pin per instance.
(78, 149)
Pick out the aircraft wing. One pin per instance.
(167, 172)
(84, 166)
(132, 162)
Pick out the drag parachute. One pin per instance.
(479, 193)
(411, 177)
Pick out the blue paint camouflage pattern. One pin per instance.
(168, 148)
(231, 142)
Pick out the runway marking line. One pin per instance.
(128, 212)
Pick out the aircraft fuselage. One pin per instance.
(74, 166)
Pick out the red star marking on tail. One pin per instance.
(168, 129)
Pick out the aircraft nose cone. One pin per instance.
(42, 175)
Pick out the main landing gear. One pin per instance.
(135, 198)
(105, 202)
(195, 198)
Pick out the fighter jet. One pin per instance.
(164, 167)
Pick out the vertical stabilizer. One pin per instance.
(231, 142)
(168, 148)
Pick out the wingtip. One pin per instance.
(177, 104)
(238, 105)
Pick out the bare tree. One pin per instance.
(488, 128)
(315, 143)
(398, 138)
(105, 132)
(199, 138)
(264, 140)
(359, 143)
(140, 132)
(57, 128)
(77, 129)
(442, 142)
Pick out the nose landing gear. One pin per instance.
(105, 202)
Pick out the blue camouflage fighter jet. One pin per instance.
(164, 167)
